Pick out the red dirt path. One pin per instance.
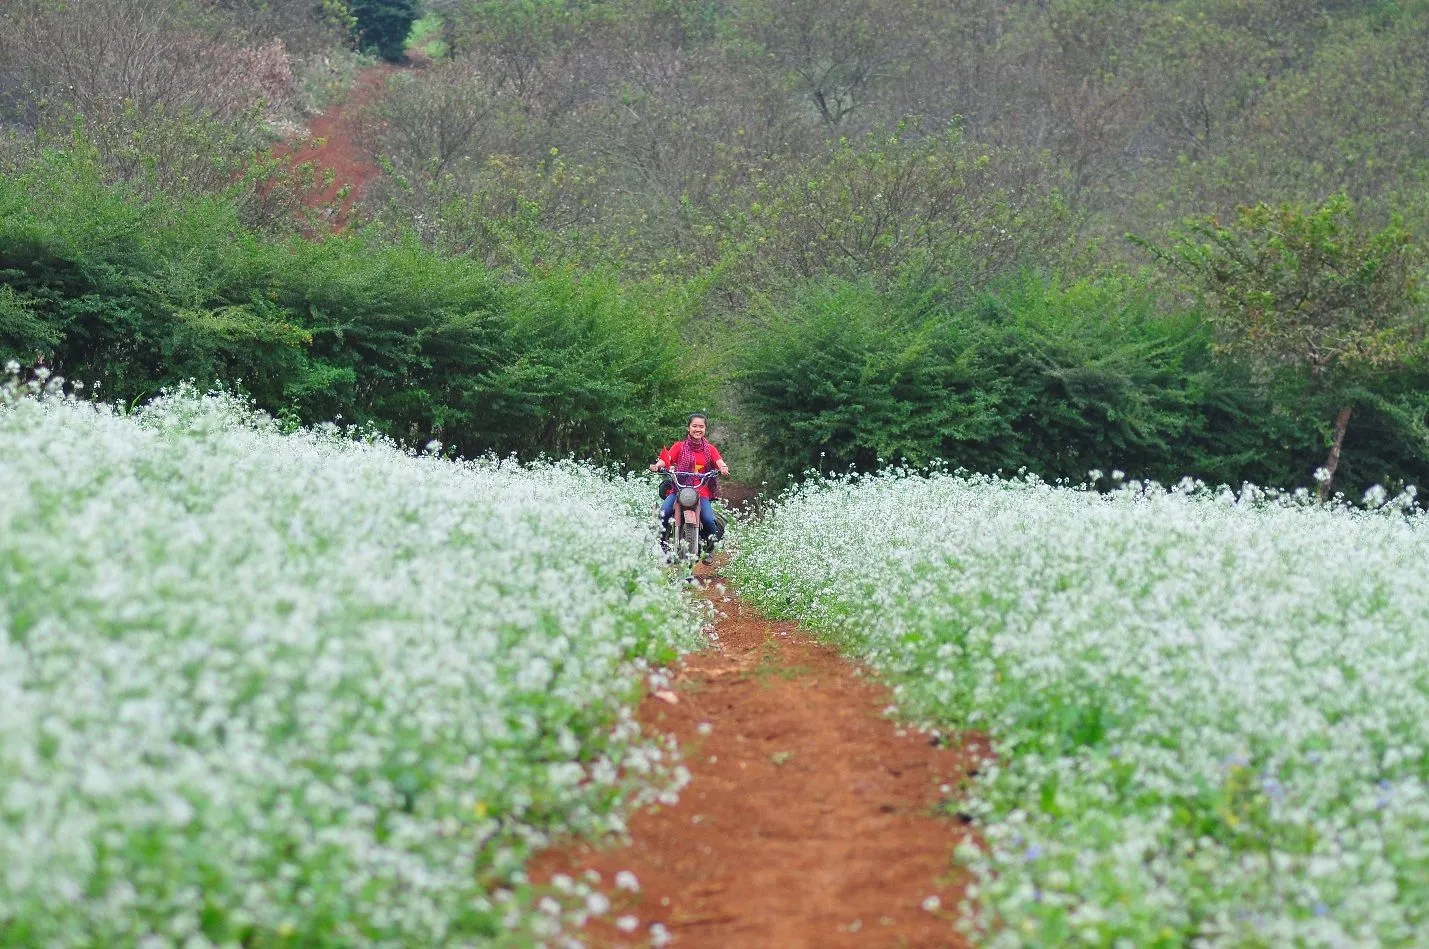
(332, 147)
(809, 820)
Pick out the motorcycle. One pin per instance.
(685, 526)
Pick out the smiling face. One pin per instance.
(697, 427)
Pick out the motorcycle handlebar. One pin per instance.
(697, 475)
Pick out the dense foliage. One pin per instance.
(668, 117)
(383, 25)
(1207, 707)
(307, 689)
(1310, 300)
(1059, 379)
(743, 158)
(135, 293)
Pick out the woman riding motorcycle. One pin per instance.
(693, 454)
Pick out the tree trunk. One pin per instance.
(1342, 422)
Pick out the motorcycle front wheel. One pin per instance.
(690, 541)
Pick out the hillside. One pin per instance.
(738, 160)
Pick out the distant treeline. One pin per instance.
(862, 229)
(1060, 379)
(653, 131)
(132, 293)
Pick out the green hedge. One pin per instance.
(139, 293)
(1060, 379)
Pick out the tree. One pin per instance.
(383, 25)
(100, 57)
(307, 27)
(1309, 297)
(425, 124)
(834, 53)
(898, 205)
(178, 97)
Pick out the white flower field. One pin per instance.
(1209, 709)
(268, 689)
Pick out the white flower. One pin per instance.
(625, 880)
(627, 924)
(306, 657)
(1162, 673)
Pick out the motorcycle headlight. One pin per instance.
(689, 497)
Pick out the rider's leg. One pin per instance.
(667, 514)
(707, 518)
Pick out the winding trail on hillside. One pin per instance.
(344, 168)
(810, 817)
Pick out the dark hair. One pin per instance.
(695, 415)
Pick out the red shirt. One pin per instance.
(704, 461)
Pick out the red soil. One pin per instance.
(343, 168)
(810, 817)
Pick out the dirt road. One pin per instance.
(343, 167)
(809, 821)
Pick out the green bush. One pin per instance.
(611, 359)
(138, 293)
(1060, 379)
(1093, 376)
(847, 376)
(383, 25)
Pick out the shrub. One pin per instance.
(607, 368)
(140, 293)
(847, 376)
(1057, 378)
